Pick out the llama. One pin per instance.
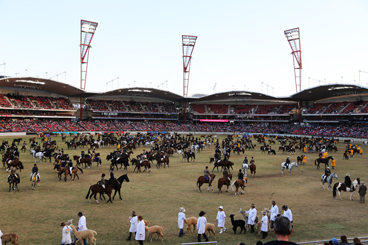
(155, 229)
(245, 218)
(236, 223)
(191, 221)
(11, 237)
(84, 235)
(210, 228)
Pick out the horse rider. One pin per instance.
(103, 182)
(34, 171)
(207, 174)
(225, 175)
(82, 155)
(219, 159)
(287, 162)
(348, 180)
(13, 173)
(327, 173)
(112, 177)
(24, 145)
(70, 166)
(245, 161)
(241, 175)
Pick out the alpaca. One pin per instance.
(210, 228)
(84, 235)
(191, 221)
(155, 229)
(11, 237)
(236, 223)
(245, 218)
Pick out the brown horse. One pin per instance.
(146, 164)
(13, 181)
(323, 160)
(223, 164)
(164, 161)
(15, 163)
(239, 183)
(32, 139)
(202, 179)
(338, 187)
(239, 149)
(109, 186)
(253, 168)
(223, 181)
(86, 160)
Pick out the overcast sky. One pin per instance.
(240, 43)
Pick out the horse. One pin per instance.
(328, 181)
(253, 169)
(13, 182)
(165, 160)
(223, 181)
(97, 160)
(17, 140)
(113, 184)
(222, 164)
(24, 148)
(202, 179)
(146, 164)
(245, 167)
(117, 190)
(299, 160)
(342, 187)
(323, 160)
(39, 155)
(35, 178)
(238, 183)
(86, 160)
(15, 163)
(190, 155)
(291, 165)
(272, 151)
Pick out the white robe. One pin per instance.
(288, 214)
(221, 218)
(141, 231)
(133, 224)
(274, 212)
(201, 224)
(264, 226)
(252, 216)
(66, 238)
(181, 218)
(0, 237)
(82, 226)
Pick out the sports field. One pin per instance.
(35, 215)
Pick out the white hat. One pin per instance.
(221, 207)
(347, 174)
(182, 209)
(264, 212)
(328, 167)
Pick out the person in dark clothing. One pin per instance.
(103, 182)
(282, 229)
(241, 175)
(112, 177)
(35, 169)
(348, 180)
(287, 162)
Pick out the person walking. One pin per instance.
(273, 212)
(66, 238)
(201, 226)
(252, 216)
(264, 227)
(133, 225)
(181, 218)
(82, 226)
(288, 214)
(221, 219)
(141, 232)
(362, 191)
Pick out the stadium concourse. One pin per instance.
(29, 104)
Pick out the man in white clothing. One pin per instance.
(264, 227)
(141, 231)
(273, 213)
(66, 239)
(82, 226)
(288, 214)
(252, 216)
(221, 218)
(133, 225)
(201, 226)
(181, 218)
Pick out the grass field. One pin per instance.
(35, 215)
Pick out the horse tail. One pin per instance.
(80, 169)
(218, 184)
(334, 190)
(232, 186)
(21, 165)
(315, 162)
(89, 189)
(198, 181)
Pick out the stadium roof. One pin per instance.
(39, 85)
(235, 96)
(328, 91)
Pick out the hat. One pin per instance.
(362, 182)
(264, 212)
(328, 167)
(201, 213)
(335, 241)
(80, 214)
(284, 207)
(347, 174)
(133, 212)
(287, 156)
(112, 169)
(62, 224)
(221, 207)
(182, 209)
(253, 205)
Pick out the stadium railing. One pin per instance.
(321, 242)
(193, 243)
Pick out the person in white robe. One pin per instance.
(221, 219)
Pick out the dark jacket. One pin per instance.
(112, 176)
(240, 175)
(347, 181)
(362, 190)
(34, 170)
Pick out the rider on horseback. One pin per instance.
(207, 174)
(34, 171)
(348, 180)
(103, 182)
(245, 161)
(241, 175)
(225, 175)
(82, 155)
(327, 173)
(287, 162)
(13, 173)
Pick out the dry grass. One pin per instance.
(35, 215)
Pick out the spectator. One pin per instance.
(357, 241)
(344, 240)
(362, 192)
(282, 229)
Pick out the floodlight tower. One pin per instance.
(188, 43)
(88, 29)
(293, 37)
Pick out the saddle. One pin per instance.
(207, 178)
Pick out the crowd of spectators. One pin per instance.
(34, 102)
(131, 106)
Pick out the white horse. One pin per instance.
(35, 178)
(179, 152)
(245, 168)
(328, 181)
(195, 148)
(40, 155)
(291, 165)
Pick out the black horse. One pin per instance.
(13, 181)
(323, 160)
(120, 160)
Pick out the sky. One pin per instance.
(241, 44)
